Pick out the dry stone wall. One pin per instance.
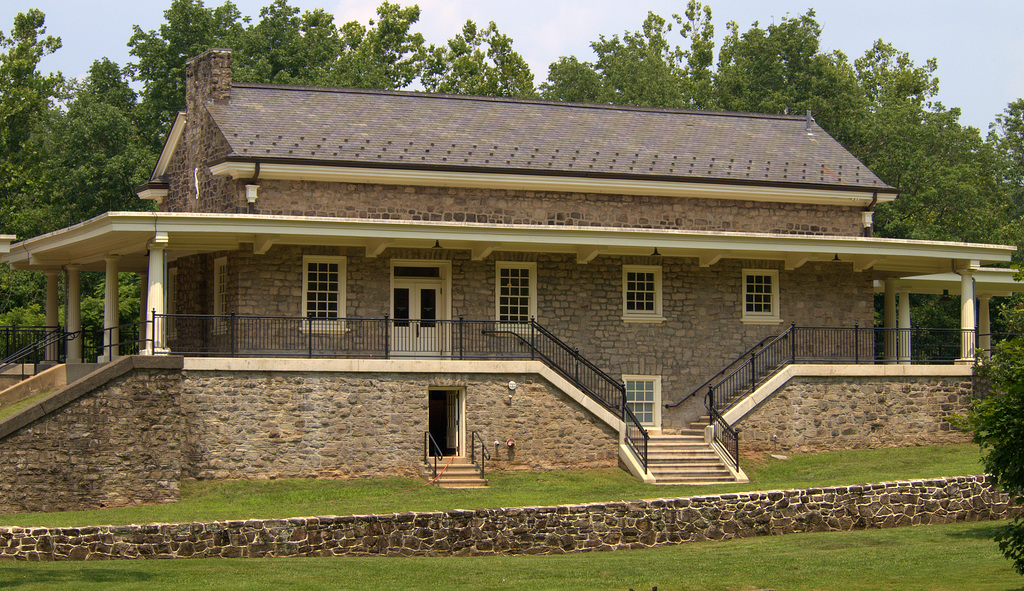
(531, 530)
(818, 414)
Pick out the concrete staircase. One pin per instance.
(685, 459)
(461, 473)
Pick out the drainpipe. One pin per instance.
(867, 216)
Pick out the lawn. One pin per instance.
(217, 500)
(935, 557)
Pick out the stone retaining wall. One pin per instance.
(812, 414)
(530, 530)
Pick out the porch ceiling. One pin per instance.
(128, 234)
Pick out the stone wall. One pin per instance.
(116, 446)
(532, 530)
(581, 303)
(500, 206)
(306, 424)
(827, 413)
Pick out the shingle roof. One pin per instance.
(444, 132)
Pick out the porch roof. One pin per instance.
(128, 235)
(987, 282)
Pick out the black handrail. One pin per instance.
(727, 438)
(474, 437)
(701, 387)
(428, 444)
(34, 352)
(637, 437)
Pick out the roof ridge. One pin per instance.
(515, 100)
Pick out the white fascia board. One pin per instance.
(547, 183)
(5, 242)
(170, 145)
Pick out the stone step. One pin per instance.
(460, 473)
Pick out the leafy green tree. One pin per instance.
(190, 29)
(573, 81)
(95, 155)
(480, 62)
(998, 426)
(27, 98)
(385, 55)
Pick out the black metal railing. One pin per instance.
(49, 344)
(727, 438)
(854, 345)
(637, 437)
(725, 370)
(431, 451)
(483, 455)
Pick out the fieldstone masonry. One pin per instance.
(530, 530)
(820, 414)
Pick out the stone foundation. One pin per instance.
(811, 414)
(531, 530)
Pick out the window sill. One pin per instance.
(761, 320)
(647, 319)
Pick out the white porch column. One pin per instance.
(967, 325)
(156, 329)
(984, 327)
(74, 313)
(52, 315)
(143, 313)
(904, 326)
(111, 312)
(889, 320)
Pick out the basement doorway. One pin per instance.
(445, 420)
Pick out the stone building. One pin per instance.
(344, 271)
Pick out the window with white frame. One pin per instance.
(761, 295)
(515, 291)
(641, 292)
(643, 397)
(220, 286)
(323, 287)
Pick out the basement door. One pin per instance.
(445, 421)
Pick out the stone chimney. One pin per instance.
(208, 79)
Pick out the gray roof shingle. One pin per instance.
(444, 132)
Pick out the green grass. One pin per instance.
(10, 409)
(216, 500)
(934, 557)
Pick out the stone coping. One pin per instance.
(79, 388)
(556, 529)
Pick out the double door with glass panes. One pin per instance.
(417, 298)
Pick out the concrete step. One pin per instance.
(460, 473)
(685, 459)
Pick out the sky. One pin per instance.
(979, 47)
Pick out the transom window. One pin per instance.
(643, 397)
(641, 292)
(323, 286)
(761, 295)
(516, 291)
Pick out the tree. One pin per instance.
(191, 29)
(480, 62)
(998, 426)
(387, 55)
(95, 155)
(27, 98)
(643, 68)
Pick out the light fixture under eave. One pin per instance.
(437, 244)
(835, 259)
(655, 253)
